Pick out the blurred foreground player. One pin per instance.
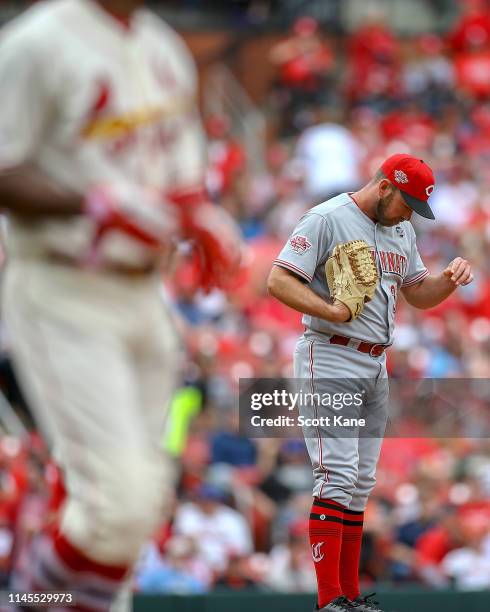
(101, 166)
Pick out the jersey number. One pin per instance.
(393, 293)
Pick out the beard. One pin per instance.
(382, 211)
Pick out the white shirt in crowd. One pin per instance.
(218, 535)
(469, 568)
(330, 155)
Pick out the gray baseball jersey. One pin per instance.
(394, 249)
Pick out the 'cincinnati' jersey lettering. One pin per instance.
(395, 263)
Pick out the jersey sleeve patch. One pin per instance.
(299, 244)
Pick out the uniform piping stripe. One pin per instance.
(335, 519)
(293, 268)
(417, 278)
(320, 448)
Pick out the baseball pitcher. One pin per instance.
(343, 268)
(101, 170)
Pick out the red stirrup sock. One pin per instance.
(351, 553)
(325, 529)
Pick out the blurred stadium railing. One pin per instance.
(224, 96)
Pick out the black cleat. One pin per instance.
(366, 604)
(340, 604)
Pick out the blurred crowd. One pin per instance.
(239, 515)
(337, 108)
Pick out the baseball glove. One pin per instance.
(352, 275)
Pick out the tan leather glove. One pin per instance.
(352, 275)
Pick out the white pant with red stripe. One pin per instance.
(344, 459)
(97, 355)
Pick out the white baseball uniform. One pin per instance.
(89, 101)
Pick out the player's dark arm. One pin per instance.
(287, 288)
(24, 190)
(435, 289)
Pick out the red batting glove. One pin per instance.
(216, 235)
(136, 212)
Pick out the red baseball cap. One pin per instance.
(414, 178)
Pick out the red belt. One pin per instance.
(375, 350)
